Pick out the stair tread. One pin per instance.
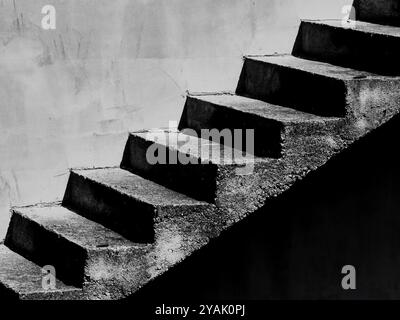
(361, 26)
(75, 228)
(23, 276)
(135, 186)
(315, 67)
(263, 109)
(202, 149)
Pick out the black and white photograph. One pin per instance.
(199, 155)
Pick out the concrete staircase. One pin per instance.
(117, 229)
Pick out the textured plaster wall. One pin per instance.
(69, 96)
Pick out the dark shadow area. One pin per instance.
(385, 12)
(346, 213)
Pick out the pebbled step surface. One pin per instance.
(22, 279)
(315, 67)
(331, 90)
(125, 202)
(78, 248)
(271, 123)
(196, 167)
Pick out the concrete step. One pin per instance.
(197, 167)
(125, 202)
(83, 252)
(330, 91)
(102, 263)
(386, 12)
(365, 46)
(275, 127)
(22, 279)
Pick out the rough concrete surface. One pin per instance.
(207, 163)
(102, 262)
(329, 87)
(115, 66)
(233, 112)
(109, 238)
(125, 202)
(22, 279)
(365, 46)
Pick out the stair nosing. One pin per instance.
(130, 245)
(317, 119)
(366, 75)
(325, 22)
(139, 199)
(243, 160)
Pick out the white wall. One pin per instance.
(68, 97)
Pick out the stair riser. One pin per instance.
(74, 264)
(273, 138)
(377, 53)
(282, 85)
(115, 273)
(199, 115)
(132, 219)
(44, 248)
(196, 180)
(378, 11)
(365, 98)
